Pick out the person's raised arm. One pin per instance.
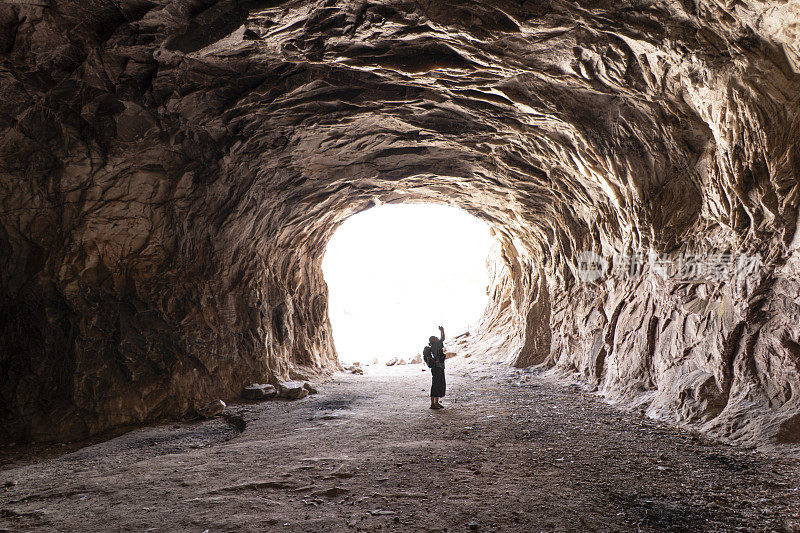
(441, 330)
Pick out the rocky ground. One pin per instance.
(513, 451)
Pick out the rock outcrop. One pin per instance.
(171, 172)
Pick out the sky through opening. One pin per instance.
(396, 272)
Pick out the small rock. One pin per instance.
(292, 390)
(331, 492)
(259, 391)
(235, 420)
(392, 361)
(296, 394)
(212, 409)
(310, 388)
(355, 368)
(344, 471)
(401, 361)
(417, 359)
(381, 512)
(473, 526)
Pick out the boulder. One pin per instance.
(292, 390)
(259, 391)
(355, 368)
(310, 388)
(212, 409)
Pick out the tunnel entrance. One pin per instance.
(396, 272)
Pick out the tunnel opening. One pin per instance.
(396, 272)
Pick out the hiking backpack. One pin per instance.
(428, 357)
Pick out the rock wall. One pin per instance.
(171, 171)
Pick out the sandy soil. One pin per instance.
(513, 451)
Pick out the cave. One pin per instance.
(173, 170)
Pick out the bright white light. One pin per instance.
(397, 272)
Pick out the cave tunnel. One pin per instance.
(171, 174)
(172, 171)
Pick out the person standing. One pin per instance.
(438, 385)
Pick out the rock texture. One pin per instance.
(292, 390)
(171, 171)
(259, 391)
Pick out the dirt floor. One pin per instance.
(513, 451)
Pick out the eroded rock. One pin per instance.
(258, 391)
(212, 409)
(354, 369)
(170, 177)
(292, 390)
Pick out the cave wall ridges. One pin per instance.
(719, 357)
(171, 171)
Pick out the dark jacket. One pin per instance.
(437, 352)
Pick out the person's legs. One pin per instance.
(437, 387)
(434, 389)
(440, 387)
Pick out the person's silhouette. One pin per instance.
(438, 386)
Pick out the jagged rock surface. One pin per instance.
(171, 171)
